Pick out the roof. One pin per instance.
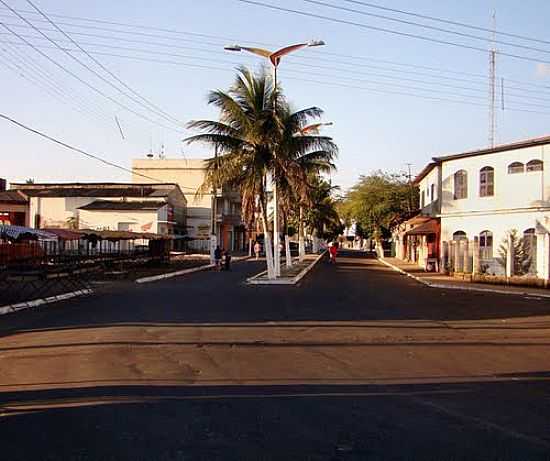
(120, 205)
(64, 234)
(96, 189)
(533, 142)
(13, 196)
(122, 235)
(427, 169)
(428, 227)
(15, 232)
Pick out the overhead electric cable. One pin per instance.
(105, 69)
(76, 76)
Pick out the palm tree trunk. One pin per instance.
(301, 243)
(267, 242)
(288, 256)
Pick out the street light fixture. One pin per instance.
(275, 59)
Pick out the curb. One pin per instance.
(155, 278)
(288, 281)
(463, 288)
(42, 301)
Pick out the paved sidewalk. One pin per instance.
(436, 280)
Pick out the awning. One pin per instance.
(115, 235)
(65, 234)
(429, 227)
(16, 232)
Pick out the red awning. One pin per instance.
(429, 227)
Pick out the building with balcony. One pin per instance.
(226, 222)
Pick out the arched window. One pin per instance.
(487, 181)
(535, 165)
(459, 235)
(461, 184)
(516, 167)
(486, 244)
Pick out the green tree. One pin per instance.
(258, 136)
(378, 201)
(522, 249)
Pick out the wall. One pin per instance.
(432, 205)
(55, 211)
(189, 174)
(121, 220)
(512, 191)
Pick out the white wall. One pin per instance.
(431, 203)
(511, 191)
(109, 220)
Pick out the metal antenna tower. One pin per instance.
(493, 83)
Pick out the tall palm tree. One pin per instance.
(244, 138)
(301, 155)
(258, 136)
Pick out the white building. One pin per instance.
(190, 174)
(487, 193)
(156, 208)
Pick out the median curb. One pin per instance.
(255, 280)
(9, 308)
(191, 270)
(446, 286)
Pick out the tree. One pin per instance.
(256, 137)
(378, 201)
(522, 251)
(322, 216)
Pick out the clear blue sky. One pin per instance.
(373, 130)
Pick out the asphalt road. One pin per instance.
(357, 363)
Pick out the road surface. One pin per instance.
(359, 362)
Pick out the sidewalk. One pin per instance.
(436, 280)
(289, 276)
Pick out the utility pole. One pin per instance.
(409, 176)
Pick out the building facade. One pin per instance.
(485, 195)
(225, 222)
(14, 207)
(155, 208)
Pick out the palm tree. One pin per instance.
(322, 218)
(301, 155)
(244, 138)
(259, 136)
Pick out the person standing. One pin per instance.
(257, 250)
(227, 260)
(218, 258)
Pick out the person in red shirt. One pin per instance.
(333, 251)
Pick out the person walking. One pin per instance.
(218, 258)
(227, 260)
(333, 251)
(257, 250)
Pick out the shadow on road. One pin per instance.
(357, 289)
(316, 422)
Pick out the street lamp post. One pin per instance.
(275, 59)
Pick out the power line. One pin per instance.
(73, 74)
(447, 21)
(424, 26)
(385, 30)
(93, 88)
(299, 57)
(337, 84)
(406, 79)
(156, 108)
(80, 151)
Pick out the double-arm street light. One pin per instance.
(275, 59)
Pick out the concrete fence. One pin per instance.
(508, 259)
